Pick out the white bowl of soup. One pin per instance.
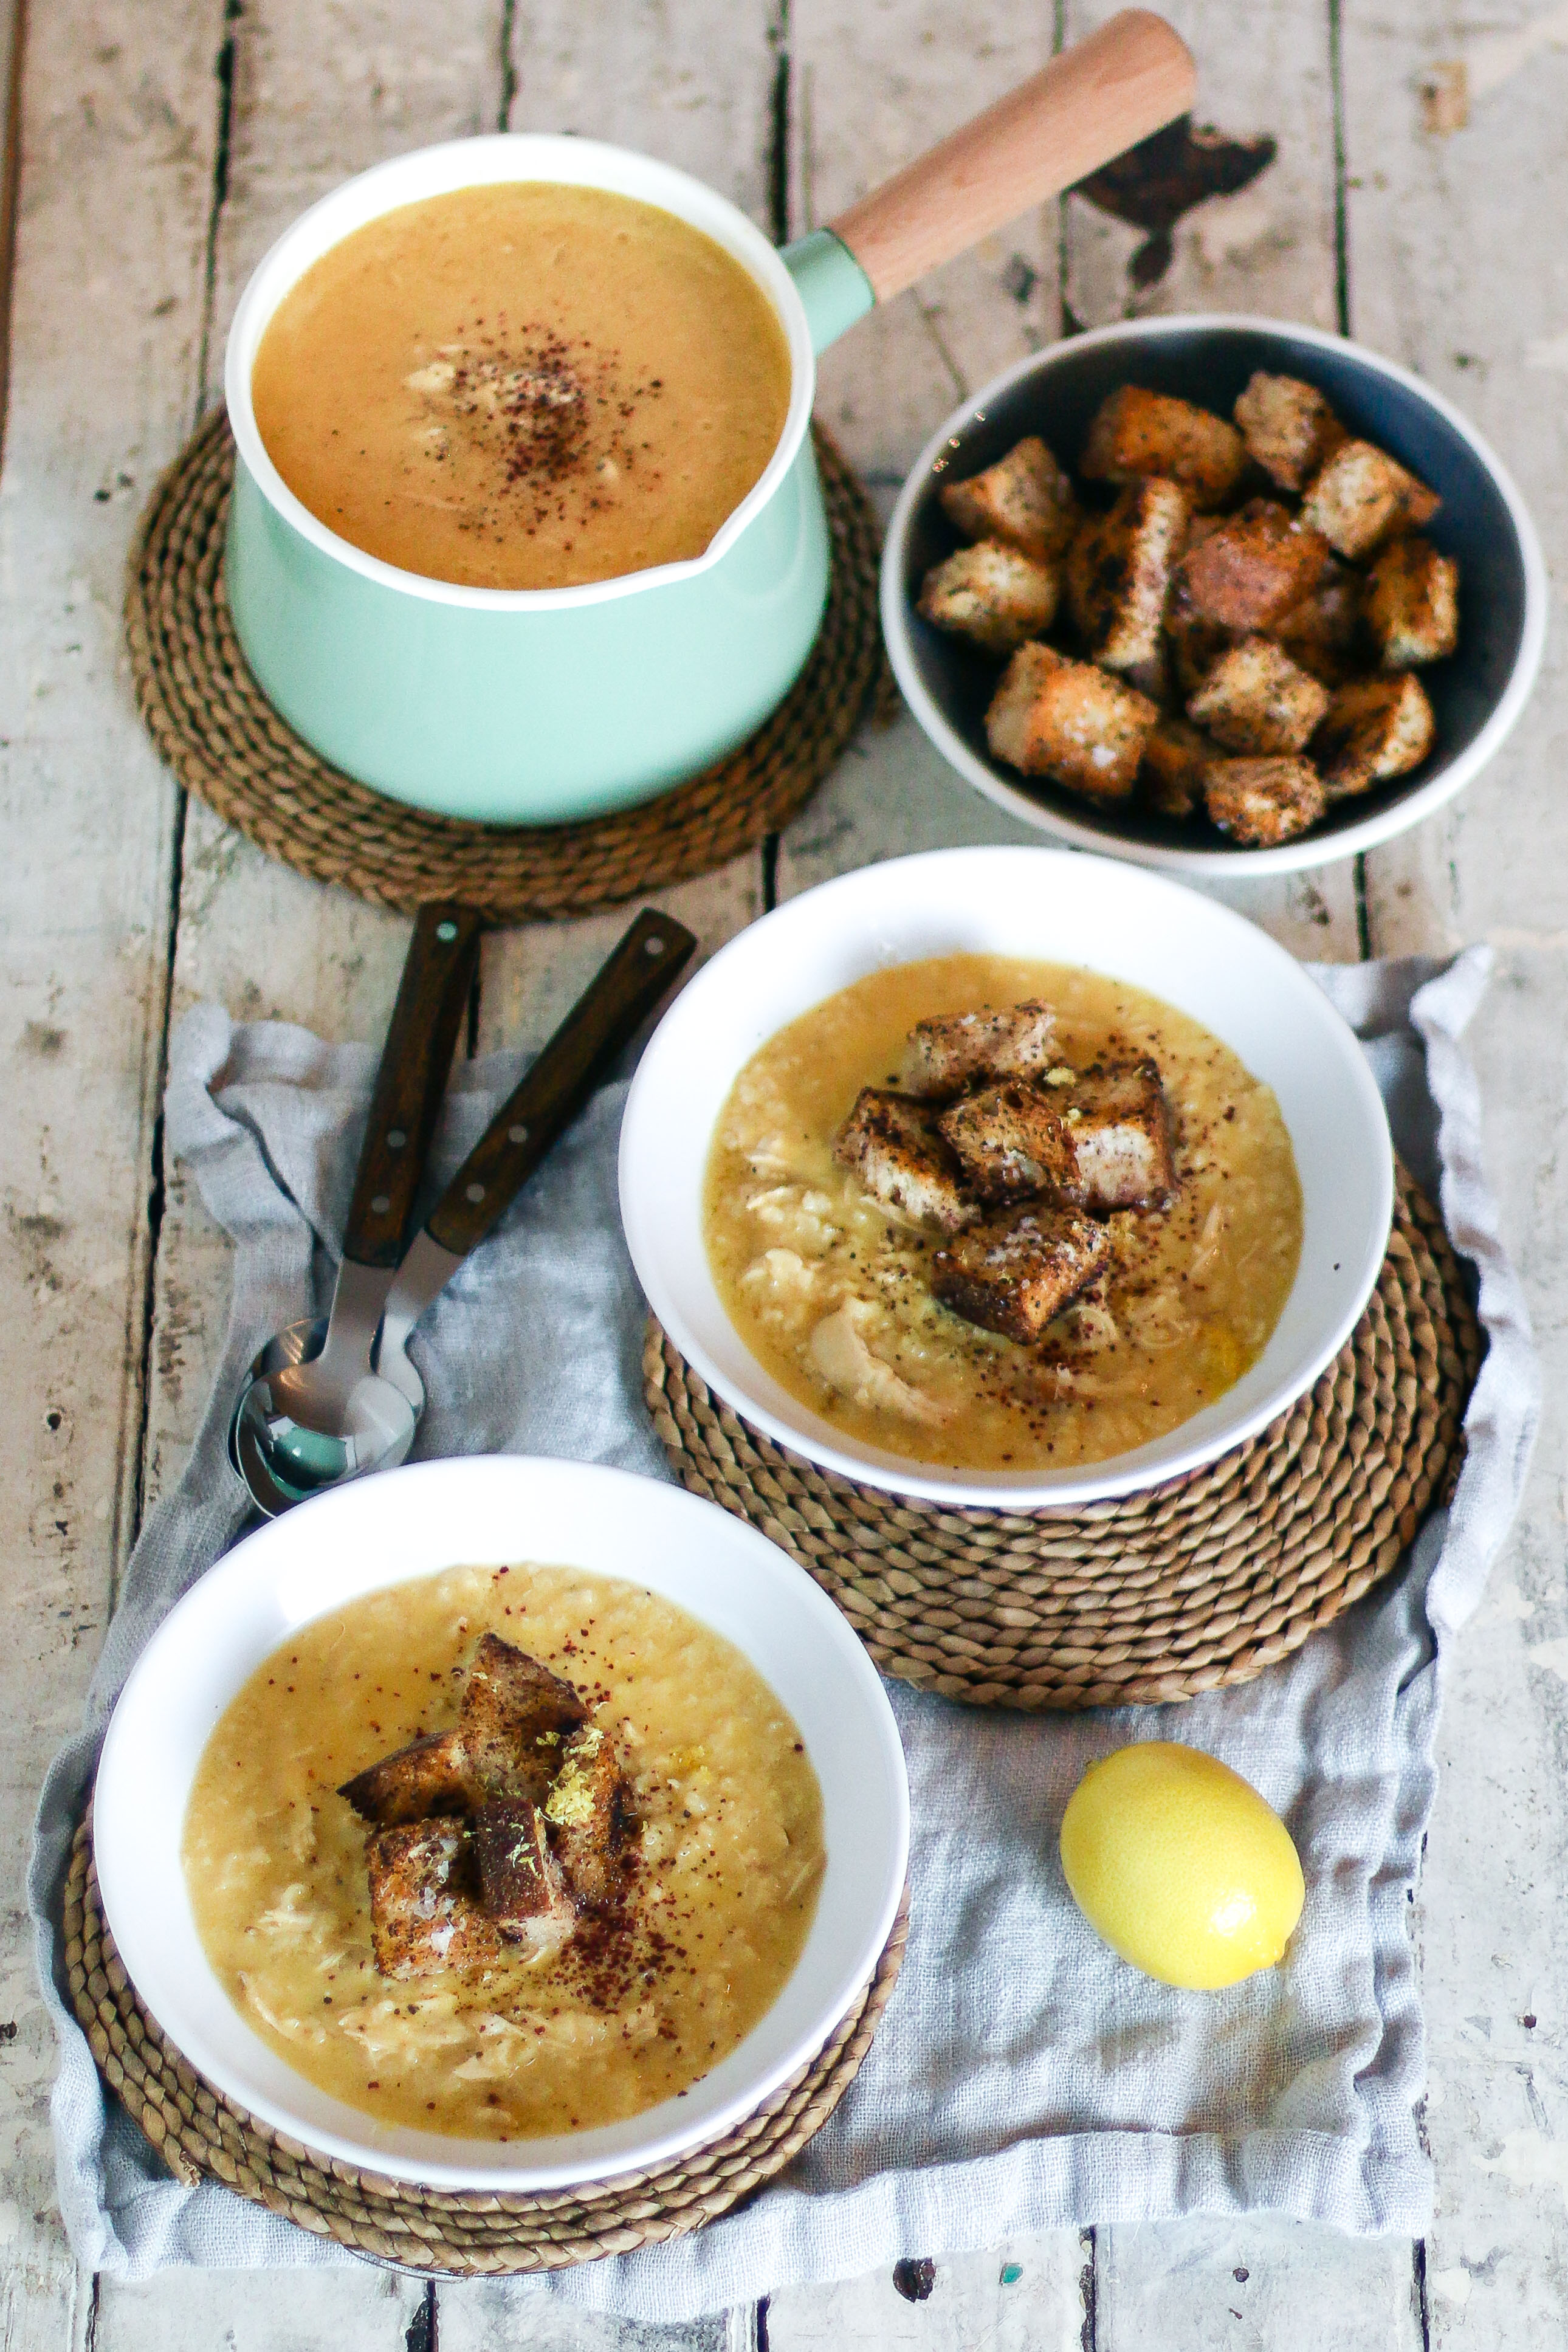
(761, 1821)
(838, 1315)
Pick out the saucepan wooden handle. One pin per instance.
(1094, 102)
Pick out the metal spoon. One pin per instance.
(381, 1413)
(297, 1392)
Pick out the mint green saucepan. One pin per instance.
(539, 706)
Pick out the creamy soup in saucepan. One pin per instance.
(523, 385)
(892, 1208)
(619, 1990)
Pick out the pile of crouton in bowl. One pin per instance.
(1208, 592)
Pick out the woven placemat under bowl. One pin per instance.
(1192, 1585)
(227, 745)
(201, 2134)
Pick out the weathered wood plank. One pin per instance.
(1435, 224)
(531, 974)
(1428, 216)
(479, 2316)
(1028, 2294)
(1269, 248)
(1190, 2285)
(871, 87)
(869, 90)
(259, 2311)
(893, 794)
(106, 320)
(691, 84)
(1488, 1926)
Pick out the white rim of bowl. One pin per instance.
(1096, 1482)
(671, 2142)
(1288, 857)
(491, 160)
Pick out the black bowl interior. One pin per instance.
(1211, 365)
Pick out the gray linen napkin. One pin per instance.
(1023, 2077)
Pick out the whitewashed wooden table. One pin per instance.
(1416, 200)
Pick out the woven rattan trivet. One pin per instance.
(201, 2134)
(226, 744)
(1198, 1583)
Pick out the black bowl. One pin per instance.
(1475, 696)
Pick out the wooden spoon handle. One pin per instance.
(415, 1063)
(1094, 102)
(604, 1019)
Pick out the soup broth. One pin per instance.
(1194, 1287)
(523, 385)
(727, 1864)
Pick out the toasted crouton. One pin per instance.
(1071, 721)
(1027, 500)
(1013, 1275)
(505, 1743)
(587, 1810)
(425, 1911)
(947, 1053)
(514, 1716)
(1122, 1155)
(1011, 1139)
(1195, 645)
(1413, 603)
(991, 594)
(1136, 432)
(1320, 633)
(1361, 496)
(522, 1884)
(1174, 757)
(1118, 572)
(1263, 802)
(1288, 426)
(1376, 727)
(1102, 1142)
(893, 1148)
(1201, 527)
(1244, 575)
(1256, 700)
(1151, 678)
(429, 1776)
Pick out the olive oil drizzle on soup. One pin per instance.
(723, 1890)
(1193, 1292)
(523, 385)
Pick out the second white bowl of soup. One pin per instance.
(499, 1823)
(1006, 1175)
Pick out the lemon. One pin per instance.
(1181, 1865)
